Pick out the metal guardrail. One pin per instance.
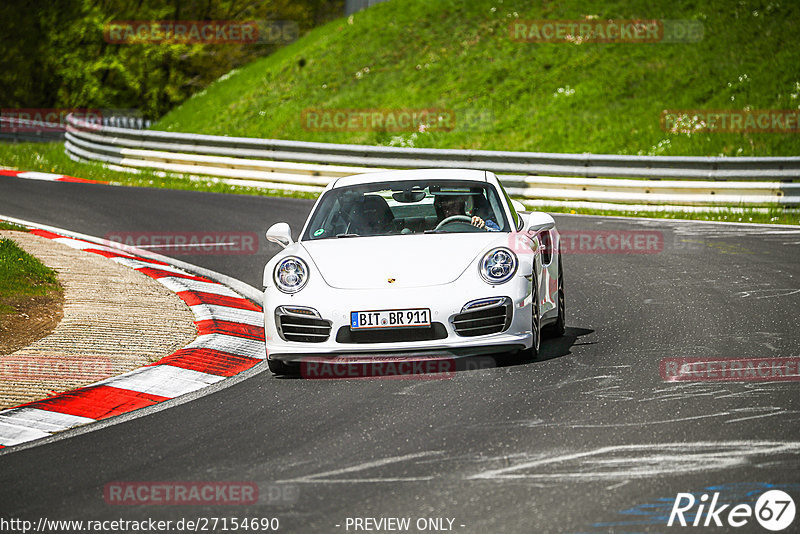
(695, 180)
(27, 131)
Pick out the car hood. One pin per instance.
(410, 260)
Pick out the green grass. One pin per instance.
(22, 275)
(11, 226)
(458, 55)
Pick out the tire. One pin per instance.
(558, 328)
(536, 325)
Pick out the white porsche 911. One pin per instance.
(406, 264)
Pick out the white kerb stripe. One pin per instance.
(231, 344)
(204, 312)
(184, 284)
(14, 435)
(137, 264)
(42, 419)
(33, 175)
(113, 250)
(76, 243)
(163, 380)
(80, 244)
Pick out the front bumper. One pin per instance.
(445, 303)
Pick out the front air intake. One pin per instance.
(484, 317)
(303, 325)
(391, 335)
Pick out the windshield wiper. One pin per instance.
(347, 235)
(438, 232)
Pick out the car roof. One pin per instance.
(470, 175)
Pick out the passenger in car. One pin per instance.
(373, 217)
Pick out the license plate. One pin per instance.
(360, 320)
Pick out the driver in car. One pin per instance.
(450, 205)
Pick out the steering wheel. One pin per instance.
(454, 218)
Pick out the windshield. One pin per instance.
(409, 207)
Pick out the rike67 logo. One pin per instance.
(774, 510)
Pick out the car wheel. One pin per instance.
(558, 328)
(536, 327)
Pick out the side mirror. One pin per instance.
(539, 222)
(280, 233)
(537, 227)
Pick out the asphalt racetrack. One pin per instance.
(591, 438)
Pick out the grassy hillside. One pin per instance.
(508, 95)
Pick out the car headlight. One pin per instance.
(291, 274)
(498, 266)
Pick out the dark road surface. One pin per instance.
(589, 439)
